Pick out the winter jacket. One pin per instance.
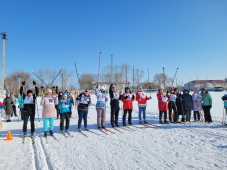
(114, 97)
(207, 99)
(101, 99)
(8, 105)
(142, 98)
(127, 99)
(162, 101)
(196, 97)
(29, 103)
(179, 103)
(64, 106)
(21, 102)
(187, 101)
(48, 104)
(84, 101)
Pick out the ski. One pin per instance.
(54, 137)
(147, 125)
(64, 134)
(117, 130)
(24, 138)
(32, 138)
(101, 130)
(81, 133)
(131, 128)
(125, 128)
(69, 134)
(46, 139)
(93, 132)
(109, 130)
(154, 125)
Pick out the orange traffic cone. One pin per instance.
(9, 137)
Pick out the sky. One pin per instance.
(148, 34)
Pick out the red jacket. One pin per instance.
(127, 104)
(142, 98)
(162, 101)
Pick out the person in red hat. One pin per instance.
(162, 106)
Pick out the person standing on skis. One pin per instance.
(142, 98)
(101, 106)
(187, 104)
(162, 106)
(196, 98)
(29, 107)
(114, 102)
(48, 102)
(127, 99)
(172, 105)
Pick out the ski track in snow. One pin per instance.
(175, 146)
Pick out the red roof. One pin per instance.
(208, 81)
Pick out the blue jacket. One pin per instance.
(64, 106)
(101, 99)
(21, 102)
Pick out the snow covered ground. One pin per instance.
(172, 147)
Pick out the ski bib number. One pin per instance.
(129, 97)
(84, 99)
(116, 95)
(142, 95)
(49, 100)
(28, 100)
(101, 97)
(65, 103)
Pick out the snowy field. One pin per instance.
(192, 146)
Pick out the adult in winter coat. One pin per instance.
(84, 103)
(162, 106)
(127, 99)
(2, 106)
(101, 106)
(196, 97)
(207, 105)
(64, 106)
(14, 105)
(48, 102)
(29, 107)
(187, 104)
(114, 102)
(72, 103)
(21, 106)
(179, 105)
(8, 106)
(142, 98)
(172, 105)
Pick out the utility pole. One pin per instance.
(3, 60)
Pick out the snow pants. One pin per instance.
(51, 123)
(196, 115)
(32, 119)
(63, 117)
(114, 115)
(172, 106)
(160, 115)
(144, 112)
(129, 111)
(82, 115)
(101, 117)
(207, 114)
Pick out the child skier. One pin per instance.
(162, 106)
(172, 105)
(127, 99)
(196, 97)
(29, 107)
(114, 102)
(142, 98)
(64, 106)
(48, 102)
(101, 106)
(84, 103)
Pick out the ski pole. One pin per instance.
(174, 76)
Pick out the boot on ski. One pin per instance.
(86, 129)
(160, 122)
(165, 121)
(130, 123)
(51, 132)
(145, 122)
(79, 130)
(45, 134)
(141, 122)
(103, 127)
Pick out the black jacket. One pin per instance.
(179, 99)
(187, 101)
(29, 108)
(113, 102)
(81, 105)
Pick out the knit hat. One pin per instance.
(175, 89)
(139, 86)
(102, 88)
(64, 94)
(171, 89)
(196, 88)
(49, 91)
(114, 87)
(29, 91)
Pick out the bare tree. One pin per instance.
(86, 80)
(160, 80)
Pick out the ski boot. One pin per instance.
(141, 122)
(130, 123)
(103, 127)
(145, 122)
(165, 121)
(25, 133)
(32, 135)
(79, 130)
(112, 125)
(45, 134)
(117, 125)
(160, 122)
(67, 130)
(51, 132)
(99, 127)
(124, 124)
(86, 129)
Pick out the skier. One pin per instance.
(142, 98)
(127, 99)
(171, 94)
(29, 107)
(48, 102)
(101, 106)
(8, 106)
(56, 106)
(224, 98)
(196, 97)
(179, 105)
(114, 102)
(64, 106)
(2, 106)
(84, 103)
(207, 105)
(162, 106)
(21, 107)
(14, 105)
(187, 104)
(72, 103)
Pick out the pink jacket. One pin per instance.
(48, 104)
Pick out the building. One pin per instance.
(208, 84)
(120, 85)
